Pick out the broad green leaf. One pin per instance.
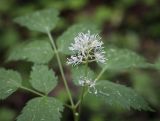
(68, 36)
(9, 82)
(42, 21)
(119, 95)
(118, 59)
(43, 79)
(80, 73)
(33, 51)
(42, 109)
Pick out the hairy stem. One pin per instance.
(61, 68)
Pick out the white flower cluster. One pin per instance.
(90, 83)
(86, 47)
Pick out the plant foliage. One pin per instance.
(42, 109)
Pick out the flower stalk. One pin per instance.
(86, 48)
(61, 68)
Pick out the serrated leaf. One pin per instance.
(119, 95)
(42, 109)
(42, 21)
(43, 79)
(68, 36)
(80, 73)
(9, 82)
(34, 51)
(118, 59)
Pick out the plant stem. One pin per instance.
(68, 106)
(61, 69)
(81, 99)
(75, 114)
(33, 91)
(83, 90)
(78, 103)
(100, 74)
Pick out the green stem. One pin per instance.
(100, 74)
(78, 103)
(33, 91)
(61, 69)
(68, 106)
(83, 90)
(81, 98)
(75, 114)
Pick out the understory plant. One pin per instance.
(81, 45)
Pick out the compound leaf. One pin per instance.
(119, 95)
(42, 21)
(43, 78)
(118, 59)
(42, 109)
(9, 82)
(33, 51)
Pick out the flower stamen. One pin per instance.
(86, 47)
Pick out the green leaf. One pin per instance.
(9, 82)
(144, 84)
(7, 114)
(79, 73)
(43, 78)
(118, 59)
(42, 109)
(68, 36)
(157, 64)
(34, 51)
(119, 95)
(42, 21)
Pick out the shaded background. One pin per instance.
(132, 24)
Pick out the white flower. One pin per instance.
(90, 83)
(86, 47)
(74, 60)
(100, 57)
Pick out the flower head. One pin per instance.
(86, 47)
